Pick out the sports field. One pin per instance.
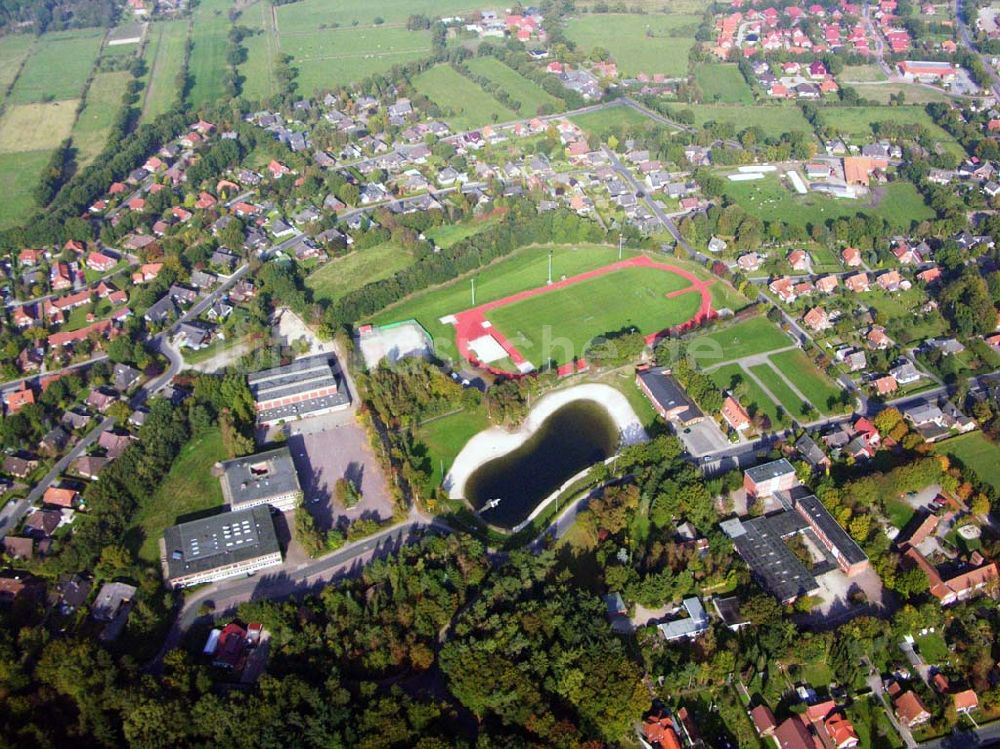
(814, 384)
(20, 173)
(556, 326)
(209, 34)
(757, 335)
(164, 60)
(14, 49)
(977, 452)
(58, 67)
(722, 83)
(638, 43)
(104, 100)
(898, 202)
(464, 103)
(337, 277)
(532, 97)
(34, 127)
(773, 120)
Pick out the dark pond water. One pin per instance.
(575, 436)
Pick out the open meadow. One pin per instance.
(758, 335)
(104, 100)
(323, 14)
(532, 97)
(262, 52)
(14, 50)
(608, 121)
(20, 172)
(638, 43)
(35, 127)
(722, 83)
(58, 67)
(210, 37)
(465, 104)
(977, 452)
(773, 120)
(342, 275)
(164, 62)
(860, 124)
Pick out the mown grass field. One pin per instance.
(316, 13)
(722, 83)
(978, 453)
(58, 67)
(728, 376)
(210, 36)
(772, 120)
(262, 51)
(814, 384)
(165, 60)
(34, 127)
(465, 104)
(20, 172)
(446, 235)
(342, 275)
(573, 316)
(793, 405)
(445, 437)
(188, 488)
(533, 98)
(605, 121)
(104, 99)
(861, 73)
(758, 335)
(638, 43)
(900, 204)
(14, 49)
(881, 92)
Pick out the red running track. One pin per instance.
(472, 324)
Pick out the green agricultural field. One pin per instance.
(977, 452)
(445, 437)
(794, 406)
(860, 123)
(33, 127)
(21, 172)
(465, 104)
(723, 83)
(104, 100)
(881, 92)
(310, 14)
(165, 61)
(899, 203)
(210, 36)
(14, 49)
(757, 335)
(188, 488)
(262, 51)
(608, 121)
(638, 43)
(575, 315)
(533, 98)
(773, 120)
(815, 385)
(729, 376)
(58, 67)
(338, 277)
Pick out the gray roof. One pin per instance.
(667, 393)
(304, 375)
(812, 452)
(111, 597)
(696, 623)
(219, 540)
(774, 565)
(253, 478)
(768, 471)
(830, 528)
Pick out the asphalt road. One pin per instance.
(966, 38)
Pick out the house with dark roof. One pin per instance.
(667, 396)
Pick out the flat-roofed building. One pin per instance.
(219, 547)
(267, 478)
(766, 479)
(306, 387)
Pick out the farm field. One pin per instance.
(806, 376)
(638, 43)
(165, 60)
(262, 49)
(858, 123)
(793, 405)
(612, 120)
(977, 452)
(58, 67)
(34, 127)
(533, 98)
(573, 316)
(345, 274)
(757, 335)
(21, 173)
(209, 34)
(188, 488)
(770, 200)
(723, 83)
(321, 13)
(14, 49)
(465, 105)
(772, 120)
(756, 401)
(104, 99)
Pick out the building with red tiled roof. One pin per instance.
(15, 400)
(735, 415)
(977, 574)
(886, 385)
(57, 497)
(910, 710)
(763, 720)
(966, 701)
(817, 319)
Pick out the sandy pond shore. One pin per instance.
(496, 441)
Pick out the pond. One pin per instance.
(573, 437)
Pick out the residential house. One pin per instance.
(910, 711)
(858, 283)
(817, 319)
(735, 415)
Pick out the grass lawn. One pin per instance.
(896, 312)
(757, 335)
(881, 92)
(899, 512)
(446, 235)
(165, 60)
(464, 104)
(806, 376)
(790, 402)
(638, 43)
(977, 452)
(872, 725)
(861, 73)
(533, 98)
(14, 49)
(860, 123)
(932, 648)
(612, 120)
(210, 37)
(723, 84)
(824, 260)
(772, 120)
(77, 317)
(58, 67)
(756, 400)
(445, 438)
(337, 277)
(525, 269)
(21, 172)
(262, 49)
(188, 488)
(104, 100)
(571, 317)
(33, 127)
(770, 200)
